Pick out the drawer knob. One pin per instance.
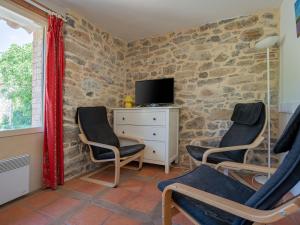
(123, 132)
(154, 151)
(154, 134)
(154, 118)
(123, 118)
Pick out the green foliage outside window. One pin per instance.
(16, 86)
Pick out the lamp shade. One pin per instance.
(267, 42)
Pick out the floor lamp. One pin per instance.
(267, 43)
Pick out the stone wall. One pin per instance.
(215, 66)
(94, 75)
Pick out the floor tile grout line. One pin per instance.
(80, 195)
(121, 210)
(32, 209)
(64, 218)
(83, 201)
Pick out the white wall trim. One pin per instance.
(288, 107)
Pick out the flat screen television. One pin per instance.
(154, 92)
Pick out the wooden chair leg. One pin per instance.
(141, 162)
(88, 178)
(118, 164)
(140, 158)
(167, 208)
(117, 172)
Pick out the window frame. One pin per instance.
(23, 11)
(21, 131)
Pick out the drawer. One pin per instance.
(141, 118)
(155, 151)
(145, 132)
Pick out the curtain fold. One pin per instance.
(53, 154)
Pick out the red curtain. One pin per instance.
(53, 155)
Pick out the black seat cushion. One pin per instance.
(209, 180)
(125, 151)
(197, 153)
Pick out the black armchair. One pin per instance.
(104, 144)
(245, 134)
(208, 197)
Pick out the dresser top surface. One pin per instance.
(145, 108)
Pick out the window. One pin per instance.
(21, 71)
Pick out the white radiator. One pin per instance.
(14, 178)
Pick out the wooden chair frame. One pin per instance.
(259, 217)
(118, 161)
(258, 140)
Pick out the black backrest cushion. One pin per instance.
(286, 140)
(247, 113)
(285, 178)
(95, 125)
(243, 134)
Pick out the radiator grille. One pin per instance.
(14, 163)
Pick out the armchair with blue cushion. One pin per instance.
(208, 197)
(245, 134)
(104, 144)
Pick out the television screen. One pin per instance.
(149, 92)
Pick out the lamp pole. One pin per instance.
(269, 110)
(267, 43)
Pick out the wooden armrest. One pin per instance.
(131, 138)
(100, 145)
(248, 213)
(243, 166)
(231, 148)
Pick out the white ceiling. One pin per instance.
(135, 19)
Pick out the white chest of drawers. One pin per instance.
(158, 126)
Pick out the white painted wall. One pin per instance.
(31, 144)
(290, 58)
(290, 67)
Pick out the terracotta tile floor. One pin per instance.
(136, 201)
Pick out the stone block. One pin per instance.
(252, 34)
